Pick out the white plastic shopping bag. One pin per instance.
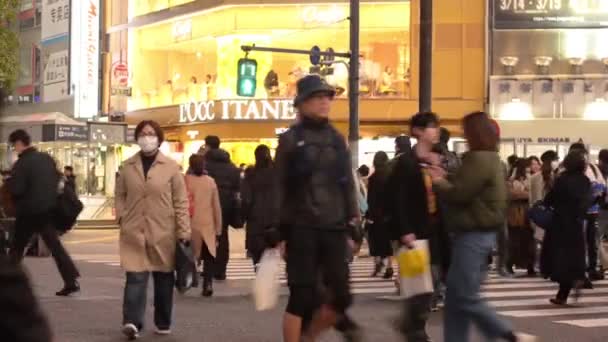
(415, 269)
(266, 282)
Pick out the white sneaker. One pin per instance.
(521, 337)
(163, 332)
(130, 331)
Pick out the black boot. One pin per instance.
(388, 274)
(377, 269)
(207, 288)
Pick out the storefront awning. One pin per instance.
(40, 118)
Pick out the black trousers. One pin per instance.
(564, 290)
(592, 241)
(26, 227)
(208, 265)
(222, 252)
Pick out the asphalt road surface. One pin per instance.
(95, 314)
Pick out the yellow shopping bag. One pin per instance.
(413, 262)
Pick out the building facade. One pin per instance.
(176, 62)
(548, 65)
(57, 98)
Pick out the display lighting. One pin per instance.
(575, 45)
(515, 110)
(542, 64)
(509, 63)
(596, 110)
(576, 63)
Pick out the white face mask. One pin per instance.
(554, 164)
(148, 144)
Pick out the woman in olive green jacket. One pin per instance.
(476, 198)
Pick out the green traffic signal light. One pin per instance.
(246, 77)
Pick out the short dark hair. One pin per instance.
(380, 160)
(549, 156)
(512, 159)
(444, 135)
(575, 162)
(20, 135)
(363, 170)
(480, 132)
(424, 120)
(578, 146)
(534, 158)
(155, 126)
(197, 164)
(213, 141)
(68, 168)
(403, 144)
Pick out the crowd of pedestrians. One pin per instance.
(312, 204)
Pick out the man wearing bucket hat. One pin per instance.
(317, 208)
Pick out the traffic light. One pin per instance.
(246, 80)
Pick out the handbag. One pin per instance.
(415, 269)
(185, 268)
(266, 282)
(67, 209)
(541, 214)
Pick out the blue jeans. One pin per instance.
(463, 304)
(136, 293)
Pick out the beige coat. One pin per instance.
(207, 217)
(152, 213)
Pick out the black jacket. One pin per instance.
(563, 253)
(320, 200)
(70, 182)
(226, 175)
(259, 192)
(34, 183)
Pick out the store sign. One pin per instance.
(323, 15)
(55, 19)
(72, 133)
(120, 74)
(108, 133)
(182, 30)
(236, 110)
(544, 140)
(85, 58)
(544, 14)
(55, 78)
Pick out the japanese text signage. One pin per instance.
(542, 14)
(236, 110)
(55, 79)
(84, 58)
(72, 133)
(55, 19)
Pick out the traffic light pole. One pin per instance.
(426, 56)
(353, 84)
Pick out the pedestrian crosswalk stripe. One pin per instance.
(587, 323)
(536, 284)
(543, 301)
(524, 293)
(556, 312)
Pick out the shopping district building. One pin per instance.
(540, 69)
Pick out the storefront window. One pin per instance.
(195, 59)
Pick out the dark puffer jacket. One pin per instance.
(226, 175)
(320, 200)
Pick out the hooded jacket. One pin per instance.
(226, 175)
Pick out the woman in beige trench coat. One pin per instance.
(206, 220)
(152, 211)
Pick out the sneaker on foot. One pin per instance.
(130, 331)
(163, 332)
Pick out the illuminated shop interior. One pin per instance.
(194, 58)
